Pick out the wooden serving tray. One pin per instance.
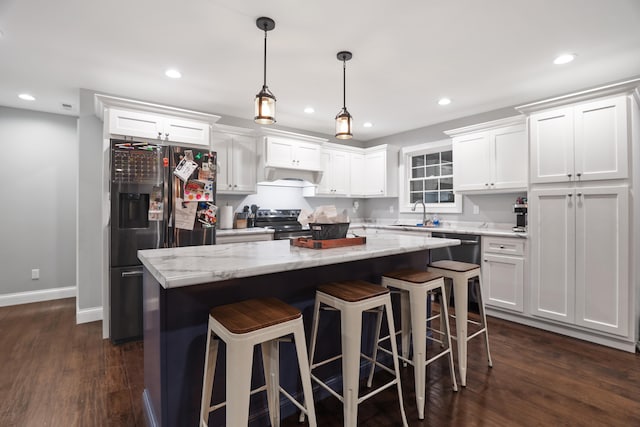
(304, 242)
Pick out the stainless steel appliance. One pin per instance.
(520, 209)
(469, 250)
(283, 222)
(145, 195)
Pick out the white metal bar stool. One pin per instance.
(460, 273)
(352, 299)
(415, 288)
(241, 326)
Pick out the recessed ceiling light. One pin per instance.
(367, 124)
(26, 97)
(309, 110)
(564, 58)
(444, 101)
(173, 73)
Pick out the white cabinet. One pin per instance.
(381, 171)
(357, 176)
(160, 127)
(580, 142)
(490, 156)
(237, 162)
(503, 273)
(292, 154)
(335, 178)
(580, 256)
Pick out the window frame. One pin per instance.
(404, 176)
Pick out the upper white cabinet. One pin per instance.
(154, 126)
(292, 154)
(237, 160)
(580, 142)
(357, 178)
(490, 157)
(580, 256)
(335, 179)
(381, 171)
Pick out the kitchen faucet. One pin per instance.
(424, 212)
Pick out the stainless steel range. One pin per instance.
(284, 223)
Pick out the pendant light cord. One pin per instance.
(344, 83)
(265, 56)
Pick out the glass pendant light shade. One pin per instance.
(344, 121)
(265, 107)
(344, 125)
(265, 103)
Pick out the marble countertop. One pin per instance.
(193, 265)
(236, 231)
(481, 229)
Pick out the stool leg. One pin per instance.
(406, 323)
(483, 319)
(446, 327)
(394, 350)
(238, 383)
(460, 289)
(271, 362)
(376, 344)
(209, 373)
(419, 335)
(351, 328)
(314, 335)
(305, 375)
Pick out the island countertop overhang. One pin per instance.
(194, 265)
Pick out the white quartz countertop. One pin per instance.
(193, 265)
(243, 231)
(449, 228)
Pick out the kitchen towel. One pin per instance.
(226, 217)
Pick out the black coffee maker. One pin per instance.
(520, 209)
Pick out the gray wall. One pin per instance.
(38, 192)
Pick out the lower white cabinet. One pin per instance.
(503, 272)
(580, 256)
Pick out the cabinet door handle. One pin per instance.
(579, 194)
(570, 194)
(235, 185)
(501, 246)
(159, 135)
(492, 184)
(132, 273)
(569, 175)
(486, 184)
(579, 174)
(166, 136)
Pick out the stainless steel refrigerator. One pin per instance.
(161, 197)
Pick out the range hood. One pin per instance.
(275, 173)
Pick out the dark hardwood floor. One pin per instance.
(56, 373)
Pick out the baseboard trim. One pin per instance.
(88, 315)
(37, 296)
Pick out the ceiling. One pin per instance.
(483, 55)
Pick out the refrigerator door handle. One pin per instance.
(132, 273)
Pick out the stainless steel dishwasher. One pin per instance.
(469, 250)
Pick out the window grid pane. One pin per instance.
(431, 178)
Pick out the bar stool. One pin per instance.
(241, 326)
(352, 299)
(460, 273)
(415, 288)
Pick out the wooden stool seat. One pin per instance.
(353, 290)
(413, 276)
(457, 266)
(250, 315)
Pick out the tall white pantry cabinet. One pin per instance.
(583, 209)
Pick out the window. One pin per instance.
(431, 178)
(426, 174)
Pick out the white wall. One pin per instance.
(38, 216)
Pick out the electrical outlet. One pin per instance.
(35, 274)
(476, 209)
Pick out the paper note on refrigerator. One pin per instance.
(185, 168)
(185, 214)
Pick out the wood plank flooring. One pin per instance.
(56, 373)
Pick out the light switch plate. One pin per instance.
(476, 209)
(35, 274)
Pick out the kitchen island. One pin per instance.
(181, 285)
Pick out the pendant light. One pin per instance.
(344, 121)
(265, 105)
